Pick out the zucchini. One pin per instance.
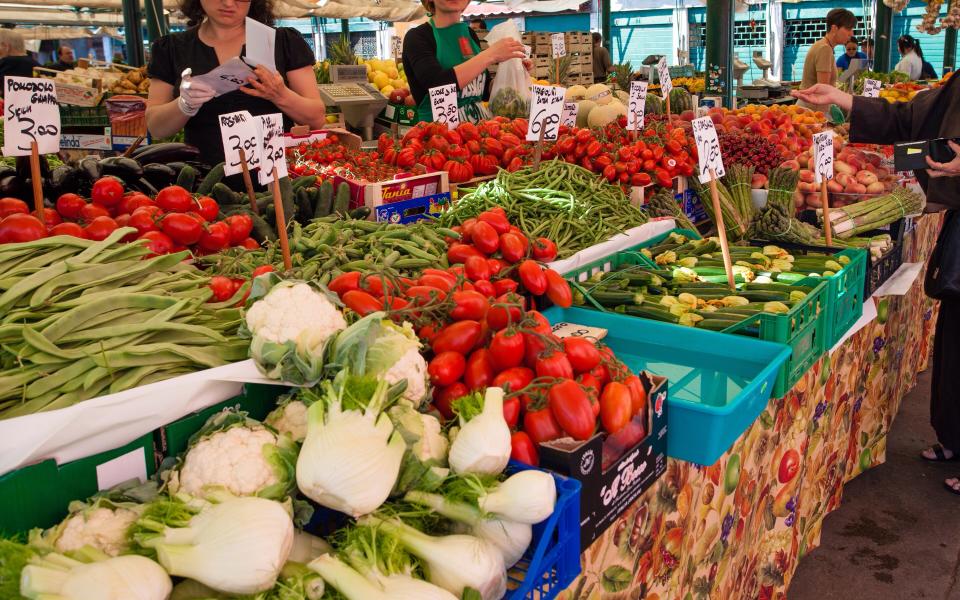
(262, 231)
(341, 203)
(187, 177)
(289, 202)
(615, 298)
(715, 323)
(648, 312)
(361, 214)
(302, 197)
(325, 200)
(764, 295)
(223, 194)
(213, 177)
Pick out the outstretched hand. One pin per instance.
(950, 169)
(823, 94)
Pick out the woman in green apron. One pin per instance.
(444, 51)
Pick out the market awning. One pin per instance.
(521, 7)
(377, 10)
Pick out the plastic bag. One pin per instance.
(510, 93)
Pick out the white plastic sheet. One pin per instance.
(631, 238)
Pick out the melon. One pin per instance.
(620, 107)
(654, 105)
(584, 108)
(622, 96)
(599, 93)
(680, 100)
(603, 115)
(575, 93)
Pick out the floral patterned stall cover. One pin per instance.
(737, 529)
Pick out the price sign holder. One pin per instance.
(711, 163)
(247, 182)
(871, 88)
(666, 85)
(37, 181)
(559, 51)
(823, 170)
(721, 230)
(538, 148)
(281, 222)
(443, 102)
(546, 110)
(636, 107)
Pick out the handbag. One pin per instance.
(942, 281)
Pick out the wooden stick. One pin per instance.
(721, 230)
(136, 144)
(247, 182)
(556, 64)
(281, 222)
(667, 100)
(636, 126)
(37, 183)
(538, 148)
(825, 199)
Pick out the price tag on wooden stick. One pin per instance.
(708, 149)
(239, 131)
(823, 156)
(546, 108)
(30, 115)
(570, 111)
(663, 73)
(397, 46)
(559, 45)
(273, 160)
(637, 105)
(443, 101)
(871, 88)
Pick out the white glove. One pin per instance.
(193, 94)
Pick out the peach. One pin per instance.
(806, 175)
(875, 188)
(866, 178)
(843, 178)
(834, 187)
(855, 188)
(844, 167)
(813, 200)
(758, 181)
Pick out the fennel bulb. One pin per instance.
(482, 446)
(307, 547)
(404, 587)
(424, 465)
(348, 582)
(351, 457)
(130, 577)
(525, 497)
(237, 547)
(453, 562)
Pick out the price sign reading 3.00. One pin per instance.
(823, 156)
(271, 148)
(708, 148)
(637, 105)
(443, 101)
(546, 108)
(871, 88)
(30, 114)
(239, 131)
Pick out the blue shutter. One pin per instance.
(906, 22)
(557, 23)
(636, 35)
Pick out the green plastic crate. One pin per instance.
(844, 296)
(38, 495)
(256, 399)
(803, 328)
(84, 116)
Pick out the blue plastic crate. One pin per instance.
(553, 560)
(719, 383)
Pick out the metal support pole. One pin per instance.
(882, 42)
(345, 28)
(950, 49)
(605, 30)
(156, 23)
(133, 36)
(720, 15)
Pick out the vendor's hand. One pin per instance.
(823, 94)
(950, 169)
(528, 65)
(265, 84)
(504, 50)
(193, 94)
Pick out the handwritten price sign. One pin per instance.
(823, 156)
(397, 46)
(570, 110)
(663, 72)
(30, 114)
(637, 105)
(708, 148)
(546, 110)
(271, 147)
(559, 45)
(871, 88)
(239, 131)
(443, 100)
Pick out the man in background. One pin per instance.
(867, 45)
(478, 25)
(65, 58)
(13, 57)
(850, 53)
(819, 66)
(602, 65)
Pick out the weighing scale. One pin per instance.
(648, 70)
(359, 101)
(764, 65)
(747, 92)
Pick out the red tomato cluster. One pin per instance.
(327, 158)
(175, 220)
(224, 288)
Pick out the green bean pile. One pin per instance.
(329, 246)
(563, 202)
(82, 319)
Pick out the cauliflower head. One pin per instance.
(102, 528)
(289, 418)
(239, 455)
(291, 325)
(411, 367)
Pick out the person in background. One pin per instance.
(911, 61)
(602, 65)
(850, 53)
(929, 115)
(819, 66)
(13, 57)
(867, 45)
(478, 25)
(65, 59)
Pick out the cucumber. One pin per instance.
(306, 181)
(341, 203)
(187, 177)
(289, 202)
(325, 202)
(262, 230)
(223, 194)
(213, 177)
(303, 201)
(360, 214)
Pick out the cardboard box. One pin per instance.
(692, 206)
(77, 95)
(400, 114)
(408, 211)
(373, 195)
(613, 477)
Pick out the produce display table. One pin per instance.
(738, 528)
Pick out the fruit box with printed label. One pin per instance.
(372, 195)
(400, 114)
(614, 470)
(408, 211)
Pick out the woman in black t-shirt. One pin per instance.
(217, 34)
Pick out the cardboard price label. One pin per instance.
(559, 45)
(871, 88)
(443, 101)
(637, 105)
(545, 112)
(239, 131)
(708, 148)
(271, 147)
(823, 156)
(570, 111)
(397, 46)
(30, 114)
(527, 50)
(565, 330)
(663, 72)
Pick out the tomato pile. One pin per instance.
(327, 157)
(172, 221)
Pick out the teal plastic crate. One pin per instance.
(718, 383)
(38, 495)
(844, 297)
(657, 239)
